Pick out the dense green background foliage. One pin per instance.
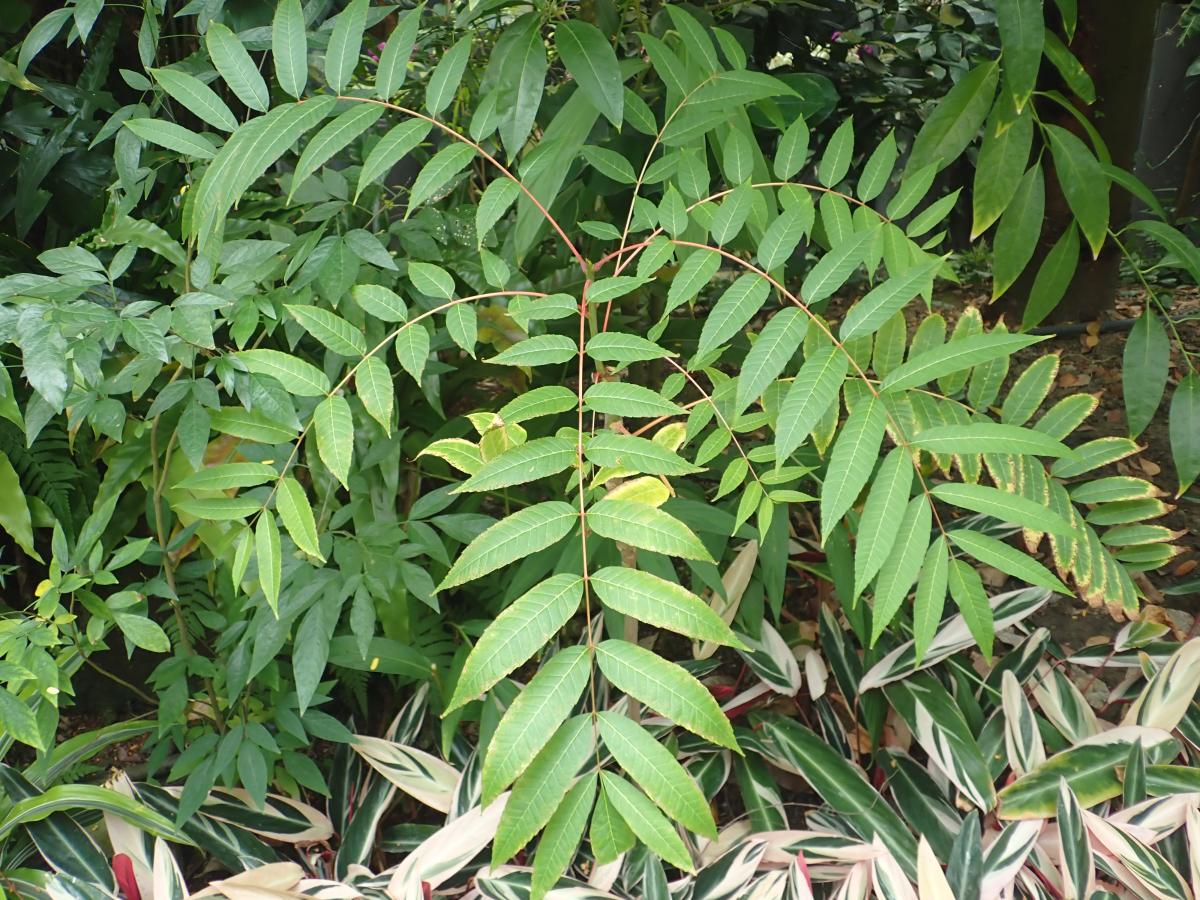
(518, 365)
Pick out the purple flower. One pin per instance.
(868, 49)
(835, 37)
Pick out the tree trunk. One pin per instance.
(1115, 43)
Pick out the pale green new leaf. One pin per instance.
(532, 718)
(522, 534)
(666, 688)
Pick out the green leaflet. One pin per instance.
(1003, 156)
(835, 267)
(517, 634)
(954, 357)
(333, 138)
(227, 475)
(514, 537)
(1017, 234)
(930, 596)
(622, 348)
(447, 75)
(436, 174)
(345, 44)
(654, 768)
(1000, 555)
(902, 565)
(335, 436)
(1146, 367)
(645, 821)
(813, 391)
(330, 329)
(882, 302)
(1002, 505)
(956, 120)
(530, 461)
(373, 384)
(1083, 181)
(645, 527)
(735, 308)
(878, 169)
(792, 151)
(853, 456)
(266, 551)
(609, 835)
(292, 504)
(666, 688)
(661, 603)
(624, 451)
(880, 522)
(560, 840)
(383, 303)
(173, 137)
(236, 67)
(590, 59)
(630, 401)
(540, 790)
(835, 161)
(539, 350)
(776, 344)
(392, 147)
(532, 718)
(289, 47)
(196, 97)
(393, 61)
(1022, 27)
(988, 437)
